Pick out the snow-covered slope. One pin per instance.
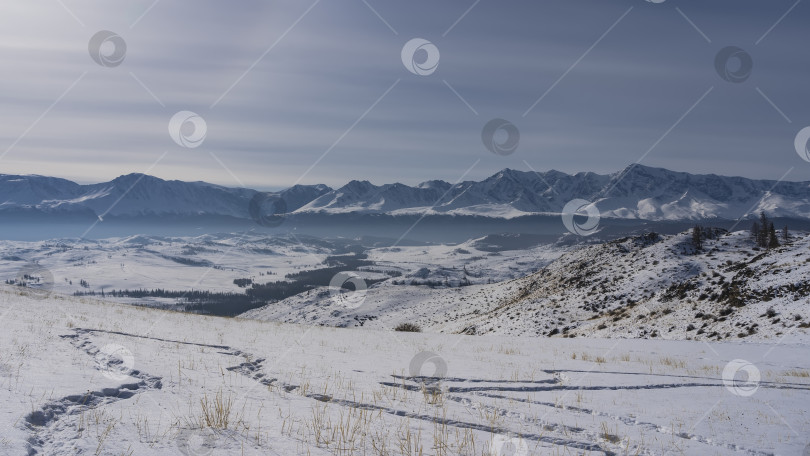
(639, 287)
(637, 192)
(81, 377)
(660, 286)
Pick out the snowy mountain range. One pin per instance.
(137, 195)
(637, 192)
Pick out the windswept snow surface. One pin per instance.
(79, 376)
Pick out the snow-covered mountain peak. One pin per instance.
(636, 192)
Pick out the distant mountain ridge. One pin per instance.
(138, 195)
(637, 192)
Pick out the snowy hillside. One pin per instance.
(660, 286)
(637, 192)
(648, 286)
(82, 377)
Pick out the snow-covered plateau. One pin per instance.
(80, 376)
(642, 345)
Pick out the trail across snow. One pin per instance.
(296, 389)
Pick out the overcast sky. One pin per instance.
(283, 85)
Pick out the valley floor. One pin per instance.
(79, 376)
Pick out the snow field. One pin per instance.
(80, 376)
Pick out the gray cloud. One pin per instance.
(314, 84)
